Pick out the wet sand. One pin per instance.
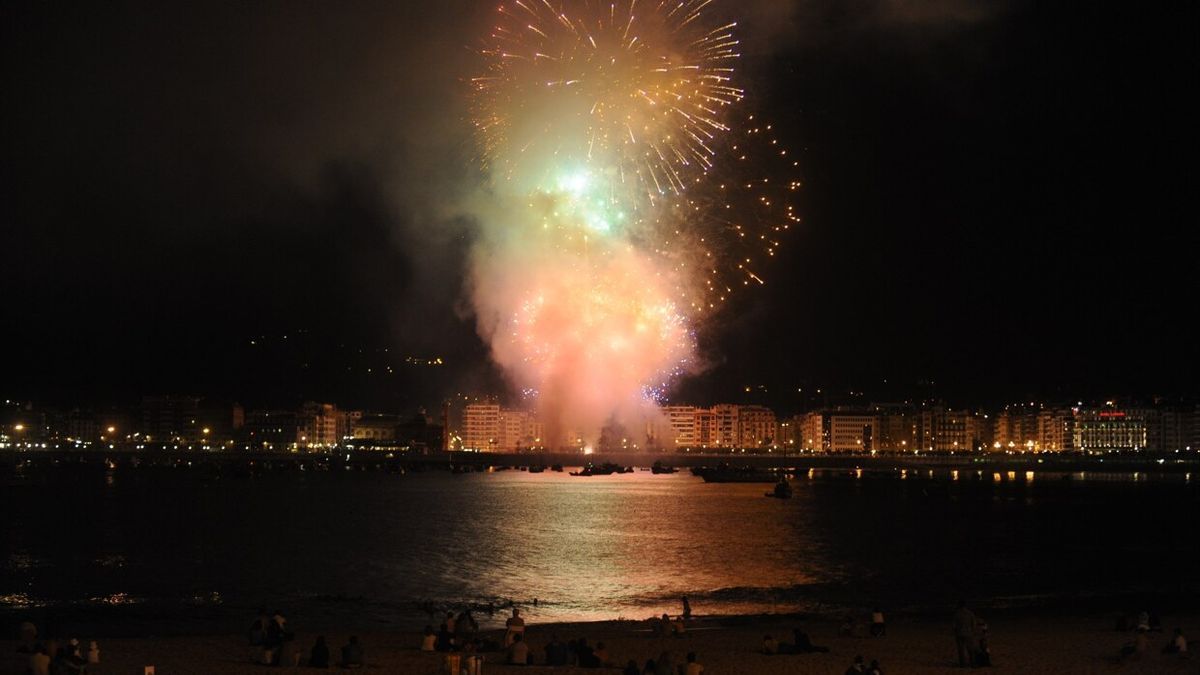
(1021, 642)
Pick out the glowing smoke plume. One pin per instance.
(602, 126)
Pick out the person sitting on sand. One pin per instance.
(257, 634)
(1178, 643)
(878, 627)
(288, 655)
(68, 661)
(514, 626)
(465, 627)
(28, 638)
(274, 636)
(556, 652)
(601, 654)
(803, 645)
(858, 667)
(58, 662)
(585, 656)
(770, 646)
(39, 661)
(428, 639)
(663, 625)
(874, 668)
(352, 654)
(983, 655)
(278, 627)
(965, 623)
(265, 657)
(572, 652)
(851, 626)
(76, 662)
(518, 651)
(665, 664)
(693, 667)
(319, 656)
(1137, 648)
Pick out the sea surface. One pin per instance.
(163, 550)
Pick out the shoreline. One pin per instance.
(1033, 640)
(163, 619)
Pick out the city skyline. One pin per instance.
(481, 424)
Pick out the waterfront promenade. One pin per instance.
(1133, 465)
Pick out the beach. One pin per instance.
(1021, 641)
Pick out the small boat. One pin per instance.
(783, 490)
(605, 469)
(730, 474)
(659, 468)
(556, 467)
(536, 469)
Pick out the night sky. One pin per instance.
(257, 201)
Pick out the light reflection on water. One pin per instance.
(585, 547)
(601, 546)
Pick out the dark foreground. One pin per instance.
(1025, 641)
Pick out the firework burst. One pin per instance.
(626, 198)
(639, 91)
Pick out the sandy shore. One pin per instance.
(1021, 642)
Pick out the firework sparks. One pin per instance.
(639, 90)
(625, 199)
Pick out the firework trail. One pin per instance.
(620, 203)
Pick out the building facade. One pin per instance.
(756, 426)
(1108, 429)
(850, 432)
(481, 427)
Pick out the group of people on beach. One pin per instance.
(665, 665)
(852, 626)
(459, 634)
(970, 634)
(1143, 623)
(275, 645)
(49, 657)
(578, 652)
(802, 644)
